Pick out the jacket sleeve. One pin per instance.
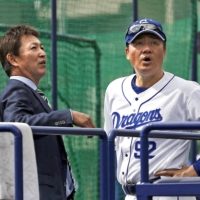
(22, 105)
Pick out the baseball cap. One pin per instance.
(144, 25)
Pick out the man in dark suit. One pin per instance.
(23, 59)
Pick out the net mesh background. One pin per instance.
(90, 54)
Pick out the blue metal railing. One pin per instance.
(18, 158)
(84, 131)
(40, 130)
(165, 189)
(135, 133)
(107, 156)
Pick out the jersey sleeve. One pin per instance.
(108, 126)
(193, 105)
(196, 166)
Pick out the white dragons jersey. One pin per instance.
(171, 99)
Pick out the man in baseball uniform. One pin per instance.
(149, 95)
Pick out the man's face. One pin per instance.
(31, 62)
(146, 54)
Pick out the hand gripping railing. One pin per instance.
(18, 158)
(136, 133)
(144, 190)
(83, 131)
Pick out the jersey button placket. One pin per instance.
(135, 104)
(124, 164)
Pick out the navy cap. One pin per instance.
(144, 25)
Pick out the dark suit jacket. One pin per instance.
(20, 103)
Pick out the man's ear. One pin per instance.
(11, 59)
(127, 53)
(164, 53)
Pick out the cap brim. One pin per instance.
(147, 31)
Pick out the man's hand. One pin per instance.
(82, 120)
(185, 171)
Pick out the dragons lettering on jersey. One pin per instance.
(135, 120)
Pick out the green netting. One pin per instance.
(91, 54)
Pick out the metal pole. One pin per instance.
(111, 166)
(194, 65)
(135, 10)
(194, 35)
(54, 54)
(135, 15)
(103, 168)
